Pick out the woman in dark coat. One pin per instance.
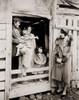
(62, 62)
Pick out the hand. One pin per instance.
(59, 60)
(37, 37)
(21, 41)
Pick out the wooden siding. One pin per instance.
(2, 85)
(2, 95)
(2, 64)
(3, 11)
(2, 75)
(30, 88)
(60, 18)
(72, 23)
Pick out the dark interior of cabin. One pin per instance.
(40, 28)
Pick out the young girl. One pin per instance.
(40, 60)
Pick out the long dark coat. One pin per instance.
(62, 72)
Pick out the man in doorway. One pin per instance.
(16, 33)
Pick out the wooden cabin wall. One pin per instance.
(64, 17)
(5, 49)
(70, 21)
(3, 33)
(5, 44)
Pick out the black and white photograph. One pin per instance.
(39, 49)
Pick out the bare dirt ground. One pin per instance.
(72, 94)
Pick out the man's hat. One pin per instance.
(65, 31)
(17, 19)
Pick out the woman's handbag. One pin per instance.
(64, 59)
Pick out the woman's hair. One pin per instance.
(36, 50)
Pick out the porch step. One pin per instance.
(29, 88)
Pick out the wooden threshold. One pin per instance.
(29, 88)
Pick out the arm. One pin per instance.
(44, 59)
(14, 39)
(33, 42)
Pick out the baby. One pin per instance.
(24, 45)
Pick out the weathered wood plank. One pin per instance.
(50, 49)
(3, 11)
(2, 96)
(74, 52)
(52, 26)
(78, 50)
(77, 79)
(74, 46)
(30, 70)
(2, 35)
(3, 42)
(32, 77)
(70, 24)
(3, 26)
(2, 49)
(2, 85)
(2, 76)
(70, 28)
(8, 50)
(8, 61)
(31, 88)
(2, 64)
(66, 11)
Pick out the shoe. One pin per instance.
(63, 95)
(54, 92)
(59, 91)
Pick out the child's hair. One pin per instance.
(24, 28)
(36, 50)
(40, 48)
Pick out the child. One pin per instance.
(24, 44)
(40, 60)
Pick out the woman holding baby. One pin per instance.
(24, 43)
